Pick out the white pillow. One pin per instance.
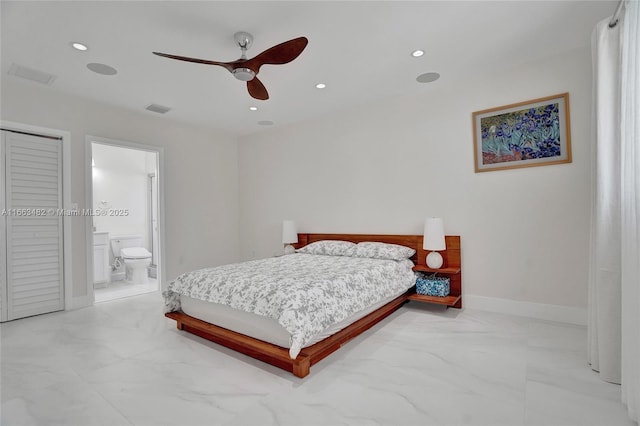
(329, 248)
(377, 250)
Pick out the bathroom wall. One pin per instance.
(120, 182)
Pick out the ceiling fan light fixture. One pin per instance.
(243, 74)
(244, 69)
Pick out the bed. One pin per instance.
(294, 310)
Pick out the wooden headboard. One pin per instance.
(451, 255)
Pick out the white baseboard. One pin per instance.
(79, 302)
(568, 314)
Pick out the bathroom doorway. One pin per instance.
(124, 219)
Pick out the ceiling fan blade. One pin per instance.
(257, 90)
(277, 55)
(227, 65)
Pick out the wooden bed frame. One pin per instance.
(279, 356)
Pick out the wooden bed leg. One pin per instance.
(301, 366)
(179, 325)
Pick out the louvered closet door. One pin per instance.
(34, 250)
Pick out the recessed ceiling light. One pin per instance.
(79, 46)
(320, 86)
(427, 77)
(265, 123)
(417, 53)
(253, 108)
(102, 69)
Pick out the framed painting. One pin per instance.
(526, 134)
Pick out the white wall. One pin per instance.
(386, 166)
(378, 169)
(120, 182)
(201, 176)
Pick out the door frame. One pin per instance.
(67, 254)
(150, 181)
(88, 173)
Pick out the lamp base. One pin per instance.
(289, 249)
(434, 260)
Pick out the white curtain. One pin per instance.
(614, 281)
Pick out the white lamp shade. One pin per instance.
(289, 233)
(433, 234)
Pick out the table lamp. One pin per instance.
(289, 236)
(434, 241)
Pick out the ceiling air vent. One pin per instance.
(160, 109)
(31, 74)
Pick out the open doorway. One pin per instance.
(125, 214)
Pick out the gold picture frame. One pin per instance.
(525, 134)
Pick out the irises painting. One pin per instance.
(532, 133)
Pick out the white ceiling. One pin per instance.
(361, 50)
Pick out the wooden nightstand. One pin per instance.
(454, 299)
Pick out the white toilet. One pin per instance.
(136, 258)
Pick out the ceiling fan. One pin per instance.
(247, 69)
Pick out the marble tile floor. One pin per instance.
(123, 363)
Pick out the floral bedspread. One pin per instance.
(305, 293)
